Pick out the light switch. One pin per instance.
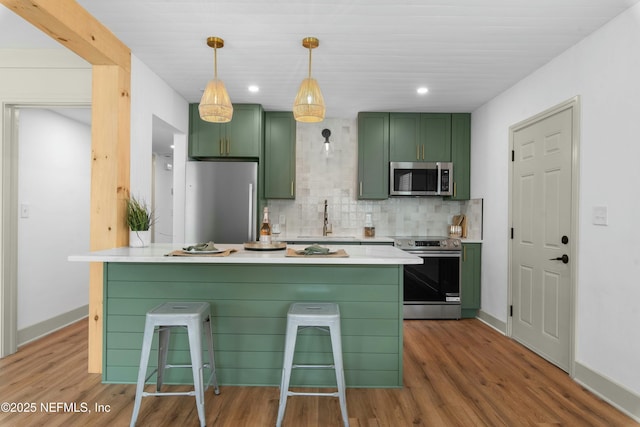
(600, 215)
(24, 211)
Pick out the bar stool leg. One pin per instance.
(336, 345)
(289, 347)
(212, 362)
(142, 371)
(195, 348)
(164, 334)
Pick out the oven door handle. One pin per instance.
(434, 254)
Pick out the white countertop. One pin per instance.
(155, 253)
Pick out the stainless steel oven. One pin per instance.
(432, 289)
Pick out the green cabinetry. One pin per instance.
(461, 155)
(240, 138)
(420, 137)
(373, 156)
(279, 155)
(470, 279)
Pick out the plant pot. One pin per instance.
(139, 239)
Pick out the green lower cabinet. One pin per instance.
(471, 279)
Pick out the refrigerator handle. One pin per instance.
(250, 231)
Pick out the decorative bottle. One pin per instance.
(265, 229)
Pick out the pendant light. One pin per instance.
(309, 103)
(215, 105)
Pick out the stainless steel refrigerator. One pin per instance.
(220, 202)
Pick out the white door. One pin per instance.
(541, 256)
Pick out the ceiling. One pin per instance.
(373, 54)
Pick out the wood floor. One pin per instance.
(456, 373)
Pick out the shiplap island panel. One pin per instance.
(249, 293)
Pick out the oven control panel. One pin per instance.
(427, 243)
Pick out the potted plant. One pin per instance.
(139, 219)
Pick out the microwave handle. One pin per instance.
(439, 180)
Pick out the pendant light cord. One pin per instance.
(310, 50)
(215, 63)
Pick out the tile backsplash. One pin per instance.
(334, 177)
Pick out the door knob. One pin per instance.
(564, 258)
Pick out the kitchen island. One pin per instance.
(249, 293)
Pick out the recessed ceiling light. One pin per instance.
(254, 88)
(422, 90)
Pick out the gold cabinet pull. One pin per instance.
(228, 145)
(292, 188)
(455, 188)
(464, 253)
(422, 151)
(221, 146)
(417, 152)
(360, 188)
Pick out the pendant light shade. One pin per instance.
(309, 103)
(215, 105)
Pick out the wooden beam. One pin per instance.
(71, 25)
(68, 23)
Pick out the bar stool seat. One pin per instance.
(324, 316)
(163, 318)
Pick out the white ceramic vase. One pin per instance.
(139, 239)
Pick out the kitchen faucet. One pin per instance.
(326, 219)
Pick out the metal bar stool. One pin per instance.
(190, 315)
(324, 316)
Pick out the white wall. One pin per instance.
(151, 96)
(604, 70)
(54, 176)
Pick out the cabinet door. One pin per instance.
(241, 137)
(461, 155)
(244, 131)
(435, 136)
(404, 137)
(470, 279)
(279, 155)
(373, 155)
(206, 139)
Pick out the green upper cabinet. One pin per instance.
(461, 155)
(373, 155)
(435, 137)
(279, 155)
(470, 279)
(420, 137)
(404, 135)
(240, 138)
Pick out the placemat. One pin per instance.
(180, 252)
(340, 253)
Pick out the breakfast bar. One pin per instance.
(249, 292)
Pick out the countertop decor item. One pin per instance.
(309, 103)
(215, 105)
(259, 246)
(139, 219)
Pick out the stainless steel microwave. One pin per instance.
(420, 179)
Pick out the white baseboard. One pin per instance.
(496, 324)
(608, 390)
(43, 328)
